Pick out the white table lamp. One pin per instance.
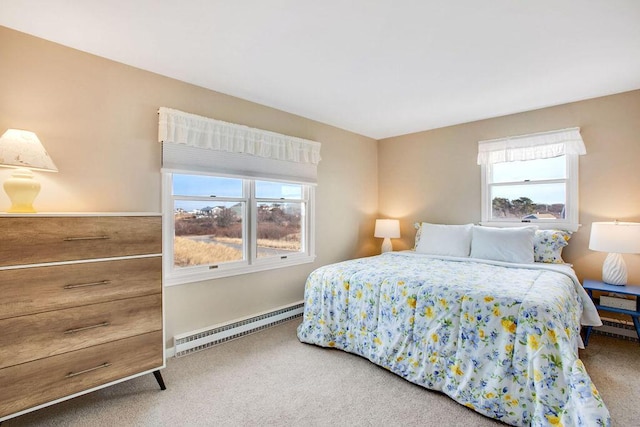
(617, 238)
(387, 229)
(22, 150)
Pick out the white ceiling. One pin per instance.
(379, 68)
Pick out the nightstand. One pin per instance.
(596, 285)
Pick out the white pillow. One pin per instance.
(503, 244)
(448, 240)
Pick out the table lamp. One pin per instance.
(617, 238)
(387, 229)
(23, 150)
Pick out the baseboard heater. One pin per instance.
(208, 337)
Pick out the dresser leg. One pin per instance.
(158, 376)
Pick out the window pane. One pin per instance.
(278, 190)
(206, 186)
(279, 227)
(533, 201)
(207, 232)
(532, 170)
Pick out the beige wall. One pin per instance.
(98, 120)
(433, 176)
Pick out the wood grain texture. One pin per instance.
(34, 383)
(34, 290)
(27, 338)
(86, 320)
(30, 240)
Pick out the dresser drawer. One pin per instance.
(37, 289)
(27, 338)
(41, 381)
(33, 240)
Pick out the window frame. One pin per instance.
(569, 223)
(251, 263)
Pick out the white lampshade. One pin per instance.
(22, 150)
(387, 229)
(616, 238)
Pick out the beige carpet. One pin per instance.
(271, 379)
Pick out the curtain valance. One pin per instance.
(196, 143)
(531, 147)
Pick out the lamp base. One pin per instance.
(22, 189)
(614, 270)
(387, 246)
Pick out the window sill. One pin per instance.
(205, 274)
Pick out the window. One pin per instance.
(223, 226)
(280, 216)
(531, 179)
(235, 199)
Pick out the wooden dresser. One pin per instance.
(80, 305)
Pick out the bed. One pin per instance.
(499, 337)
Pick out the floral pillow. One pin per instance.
(548, 244)
(418, 226)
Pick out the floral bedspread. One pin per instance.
(501, 340)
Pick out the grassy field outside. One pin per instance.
(189, 252)
(217, 237)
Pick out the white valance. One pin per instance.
(542, 145)
(196, 143)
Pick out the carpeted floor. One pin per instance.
(271, 379)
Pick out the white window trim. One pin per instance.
(193, 144)
(173, 276)
(567, 142)
(571, 221)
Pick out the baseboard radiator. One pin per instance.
(208, 337)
